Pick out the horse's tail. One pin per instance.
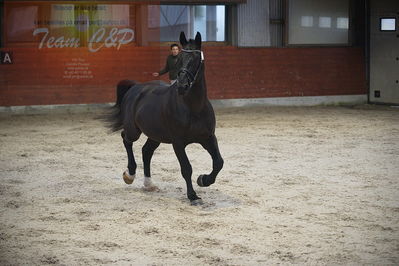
(115, 116)
(121, 89)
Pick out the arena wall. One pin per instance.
(39, 77)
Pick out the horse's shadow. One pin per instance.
(213, 198)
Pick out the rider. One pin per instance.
(173, 64)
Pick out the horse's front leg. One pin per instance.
(186, 171)
(211, 145)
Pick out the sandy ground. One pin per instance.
(315, 185)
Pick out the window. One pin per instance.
(318, 22)
(209, 20)
(388, 24)
(59, 25)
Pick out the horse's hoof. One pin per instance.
(149, 186)
(200, 181)
(196, 202)
(128, 178)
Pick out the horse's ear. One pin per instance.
(183, 40)
(198, 40)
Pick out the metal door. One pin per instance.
(384, 51)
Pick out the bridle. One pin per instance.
(190, 76)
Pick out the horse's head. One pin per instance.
(191, 56)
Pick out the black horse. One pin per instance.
(179, 114)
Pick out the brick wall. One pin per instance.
(39, 77)
(284, 72)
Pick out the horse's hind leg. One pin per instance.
(130, 174)
(148, 150)
(211, 145)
